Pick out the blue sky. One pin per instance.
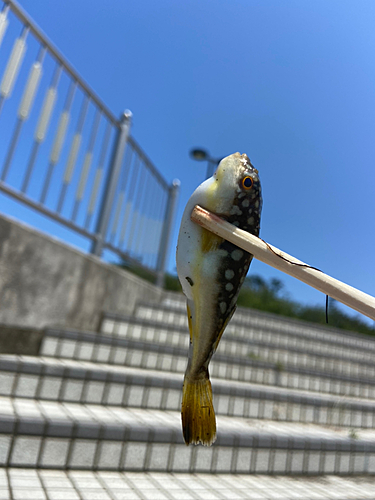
(289, 83)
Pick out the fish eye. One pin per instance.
(247, 182)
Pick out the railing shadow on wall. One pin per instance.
(64, 154)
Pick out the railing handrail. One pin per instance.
(148, 162)
(43, 38)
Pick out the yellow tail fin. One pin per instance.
(197, 412)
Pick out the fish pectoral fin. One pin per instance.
(229, 317)
(197, 412)
(210, 242)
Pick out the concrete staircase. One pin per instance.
(96, 414)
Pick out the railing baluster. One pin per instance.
(59, 140)
(143, 219)
(149, 225)
(86, 165)
(166, 233)
(121, 196)
(13, 66)
(3, 21)
(135, 213)
(159, 225)
(128, 206)
(31, 86)
(116, 218)
(24, 108)
(98, 176)
(73, 153)
(110, 188)
(42, 126)
(141, 211)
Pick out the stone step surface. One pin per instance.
(115, 349)
(97, 415)
(239, 346)
(314, 339)
(43, 434)
(22, 484)
(66, 380)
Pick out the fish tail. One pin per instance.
(197, 411)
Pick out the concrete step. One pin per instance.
(238, 347)
(79, 484)
(65, 380)
(115, 349)
(55, 435)
(279, 333)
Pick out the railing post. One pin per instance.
(167, 230)
(111, 183)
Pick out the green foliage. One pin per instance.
(270, 296)
(139, 271)
(279, 366)
(254, 356)
(258, 294)
(353, 434)
(171, 282)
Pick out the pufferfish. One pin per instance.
(211, 271)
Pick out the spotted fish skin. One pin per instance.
(211, 271)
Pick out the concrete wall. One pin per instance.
(44, 282)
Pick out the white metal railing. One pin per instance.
(64, 154)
